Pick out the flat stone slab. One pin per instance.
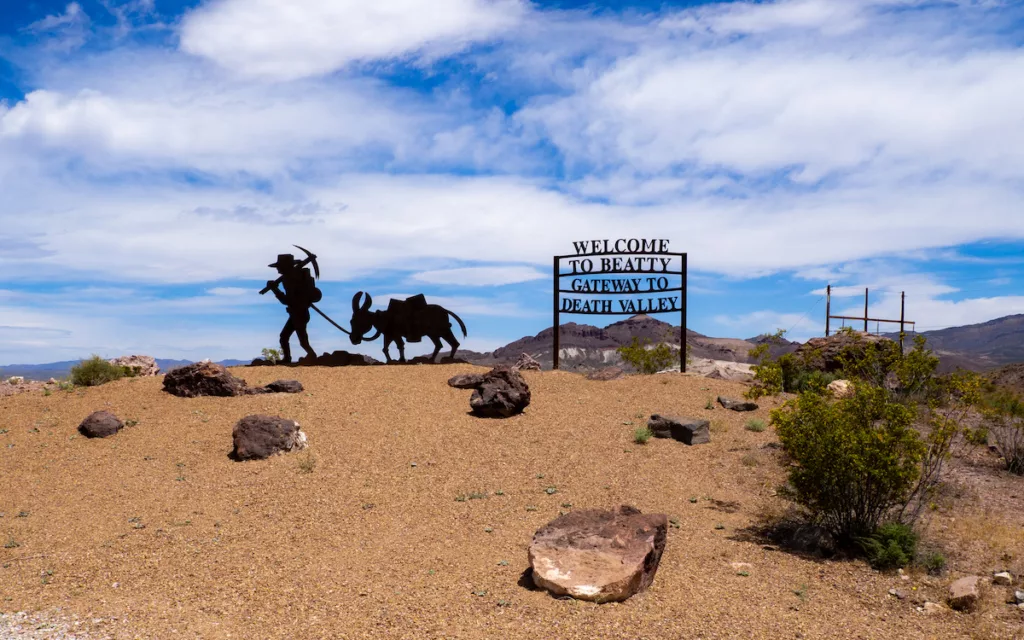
(284, 386)
(737, 405)
(964, 594)
(689, 431)
(598, 555)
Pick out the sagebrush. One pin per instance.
(97, 371)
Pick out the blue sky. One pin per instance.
(156, 155)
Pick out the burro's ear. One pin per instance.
(355, 301)
(367, 303)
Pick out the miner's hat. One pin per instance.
(283, 260)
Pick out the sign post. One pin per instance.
(649, 269)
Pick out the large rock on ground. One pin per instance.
(526, 362)
(964, 593)
(823, 353)
(100, 424)
(139, 365)
(598, 555)
(499, 393)
(257, 437)
(686, 430)
(284, 386)
(204, 379)
(737, 405)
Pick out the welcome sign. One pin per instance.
(649, 269)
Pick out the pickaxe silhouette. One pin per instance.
(309, 259)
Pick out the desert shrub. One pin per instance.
(96, 371)
(804, 379)
(891, 546)
(908, 377)
(273, 356)
(934, 563)
(755, 424)
(642, 434)
(1004, 412)
(977, 436)
(648, 360)
(858, 458)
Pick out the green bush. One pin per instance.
(857, 458)
(642, 434)
(755, 424)
(891, 546)
(1004, 412)
(96, 371)
(648, 360)
(273, 356)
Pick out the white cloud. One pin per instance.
(481, 276)
(64, 31)
(289, 39)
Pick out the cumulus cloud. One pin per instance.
(289, 39)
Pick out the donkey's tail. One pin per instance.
(461, 323)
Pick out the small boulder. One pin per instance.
(1003, 578)
(933, 608)
(258, 437)
(841, 388)
(138, 365)
(13, 380)
(606, 374)
(526, 362)
(100, 424)
(737, 405)
(284, 386)
(1018, 596)
(500, 393)
(686, 430)
(598, 555)
(964, 594)
(204, 379)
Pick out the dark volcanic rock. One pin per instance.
(823, 353)
(598, 555)
(686, 430)
(737, 405)
(499, 393)
(204, 379)
(100, 424)
(257, 437)
(336, 359)
(284, 386)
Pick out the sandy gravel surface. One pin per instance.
(158, 534)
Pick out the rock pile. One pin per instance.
(500, 393)
(526, 362)
(100, 424)
(336, 359)
(598, 555)
(210, 379)
(823, 353)
(257, 437)
(138, 365)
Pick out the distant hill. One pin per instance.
(979, 347)
(62, 369)
(583, 346)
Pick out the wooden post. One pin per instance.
(865, 309)
(682, 320)
(554, 354)
(903, 304)
(828, 307)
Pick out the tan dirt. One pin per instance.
(157, 533)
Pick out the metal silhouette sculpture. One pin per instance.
(408, 320)
(299, 295)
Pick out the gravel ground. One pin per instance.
(409, 518)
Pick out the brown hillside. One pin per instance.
(157, 533)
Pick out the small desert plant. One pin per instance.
(273, 356)
(750, 460)
(97, 371)
(307, 463)
(756, 425)
(978, 436)
(648, 360)
(709, 405)
(1005, 414)
(934, 563)
(891, 546)
(642, 434)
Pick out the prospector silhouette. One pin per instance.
(299, 295)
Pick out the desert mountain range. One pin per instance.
(978, 347)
